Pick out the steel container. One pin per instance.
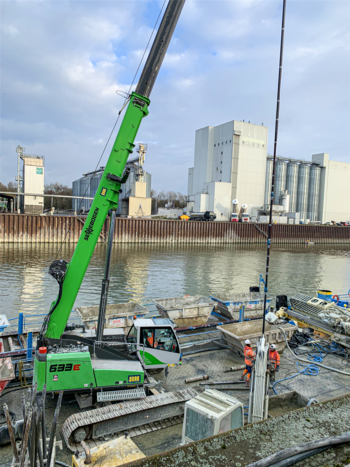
(75, 192)
(85, 192)
(185, 311)
(303, 189)
(268, 180)
(292, 184)
(280, 181)
(314, 193)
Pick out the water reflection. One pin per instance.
(146, 271)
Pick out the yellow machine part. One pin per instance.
(116, 452)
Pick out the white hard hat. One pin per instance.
(273, 347)
(247, 341)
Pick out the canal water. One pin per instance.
(141, 272)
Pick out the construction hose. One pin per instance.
(299, 457)
(308, 361)
(271, 461)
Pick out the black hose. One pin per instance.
(272, 460)
(12, 390)
(298, 457)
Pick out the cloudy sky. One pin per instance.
(63, 61)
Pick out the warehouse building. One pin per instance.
(134, 199)
(231, 164)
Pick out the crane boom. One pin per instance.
(70, 275)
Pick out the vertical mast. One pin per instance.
(274, 162)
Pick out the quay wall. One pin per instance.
(26, 228)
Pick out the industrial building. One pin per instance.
(233, 171)
(33, 182)
(134, 199)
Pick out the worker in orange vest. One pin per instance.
(249, 358)
(274, 360)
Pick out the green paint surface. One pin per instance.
(114, 377)
(39, 375)
(67, 371)
(150, 359)
(107, 197)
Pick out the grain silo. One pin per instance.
(75, 192)
(268, 180)
(292, 185)
(280, 181)
(303, 188)
(84, 189)
(314, 193)
(95, 181)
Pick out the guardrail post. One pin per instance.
(241, 314)
(29, 346)
(20, 323)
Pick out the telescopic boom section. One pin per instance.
(107, 195)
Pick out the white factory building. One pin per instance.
(231, 163)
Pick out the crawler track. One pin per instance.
(112, 419)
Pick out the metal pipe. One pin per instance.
(11, 433)
(87, 452)
(160, 45)
(53, 429)
(43, 423)
(234, 368)
(274, 163)
(222, 382)
(25, 439)
(105, 282)
(251, 393)
(43, 195)
(266, 405)
(197, 378)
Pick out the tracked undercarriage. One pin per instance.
(105, 421)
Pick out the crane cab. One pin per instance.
(155, 343)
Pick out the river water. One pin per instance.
(149, 271)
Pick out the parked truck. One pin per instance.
(203, 216)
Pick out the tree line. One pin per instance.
(163, 198)
(169, 199)
(63, 204)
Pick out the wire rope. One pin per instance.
(127, 97)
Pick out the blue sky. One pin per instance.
(63, 61)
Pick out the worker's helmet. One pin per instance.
(272, 347)
(247, 342)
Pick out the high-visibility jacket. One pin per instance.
(274, 358)
(249, 355)
(151, 342)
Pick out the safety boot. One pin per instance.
(247, 383)
(241, 378)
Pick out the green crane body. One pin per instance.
(106, 198)
(65, 360)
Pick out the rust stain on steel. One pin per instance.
(26, 228)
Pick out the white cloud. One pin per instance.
(62, 63)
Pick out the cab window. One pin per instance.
(132, 338)
(160, 339)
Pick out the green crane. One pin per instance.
(73, 361)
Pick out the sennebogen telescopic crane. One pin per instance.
(81, 362)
